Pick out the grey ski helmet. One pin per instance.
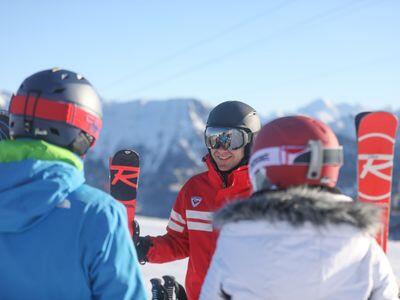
(236, 114)
(57, 106)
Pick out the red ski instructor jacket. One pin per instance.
(190, 232)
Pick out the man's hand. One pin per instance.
(143, 244)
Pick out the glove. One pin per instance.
(142, 245)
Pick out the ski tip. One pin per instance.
(359, 117)
(169, 279)
(156, 281)
(128, 152)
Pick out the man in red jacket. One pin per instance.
(229, 133)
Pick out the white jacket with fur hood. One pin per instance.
(299, 244)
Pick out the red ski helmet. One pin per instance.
(57, 106)
(295, 150)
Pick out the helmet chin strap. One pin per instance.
(316, 159)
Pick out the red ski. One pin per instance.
(124, 179)
(376, 136)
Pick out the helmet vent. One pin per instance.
(64, 76)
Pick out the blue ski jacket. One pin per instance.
(60, 238)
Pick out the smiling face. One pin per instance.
(227, 159)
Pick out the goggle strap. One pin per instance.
(295, 155)
(316, 159)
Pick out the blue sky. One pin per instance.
(274, 55)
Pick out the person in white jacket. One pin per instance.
(297, 237)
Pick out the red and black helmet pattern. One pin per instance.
(58, 106)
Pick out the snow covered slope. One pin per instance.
(154, 227)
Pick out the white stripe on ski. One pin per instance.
(197, 214)
(381, 135)
(200, 226)
(373, 198)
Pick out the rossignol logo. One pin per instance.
(195, 200)
(375, 168)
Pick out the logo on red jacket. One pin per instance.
(195, 200)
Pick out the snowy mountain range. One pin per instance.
(4, 99)
(168, 135)
(340, 117)
(169, 138)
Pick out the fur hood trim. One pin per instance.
(299, 205)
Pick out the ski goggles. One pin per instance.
(314, 155)
(226, 138)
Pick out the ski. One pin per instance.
(376, 136)
(124, 179)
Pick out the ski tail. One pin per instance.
(376, 136)
(158, 291)
(124, 180)
(170, 290)
(169, 285)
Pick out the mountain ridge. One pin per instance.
(168, 135)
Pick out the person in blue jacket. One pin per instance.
(59, 238)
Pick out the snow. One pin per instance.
(154, 226)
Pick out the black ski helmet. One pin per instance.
(236, 114)
(57, 106)
(4, 132)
